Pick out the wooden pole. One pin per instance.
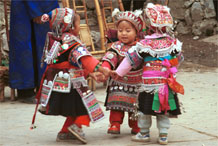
(98, 52)
(166, 2)
(100, 23)
(6, 19)
(121, 5)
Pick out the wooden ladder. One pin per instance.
(107, 5)
(85, 33)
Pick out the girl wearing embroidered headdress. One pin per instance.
(122, 93)
(159, 53)
(64, 90)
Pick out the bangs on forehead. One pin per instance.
(132, 17)
(129, 22)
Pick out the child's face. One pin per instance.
(126, 32)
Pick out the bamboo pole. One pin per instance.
(65, 3)
(166, 2)
(6, 19)
(98, 52)
(100, 23)
(121, 5)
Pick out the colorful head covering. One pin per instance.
(158, 16)
(60, 19)
(132, 17)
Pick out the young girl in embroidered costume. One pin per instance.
(64, 90)
(122, 92)
(158, 53)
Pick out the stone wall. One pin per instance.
(194, 16)
(197, 17)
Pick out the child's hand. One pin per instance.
(105, 71)
(97, 76)
(114, 74)
(37, 20)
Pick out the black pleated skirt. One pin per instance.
(145, 104)
(66, 104)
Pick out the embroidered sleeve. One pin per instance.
(133, 57)
(76, 54)
(112, 58)
(89, 63)
(106, 64)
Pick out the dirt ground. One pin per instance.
(198, 52)
(196, 126)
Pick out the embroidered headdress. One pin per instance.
(162, 41)
(132, 17)
(158, 16)
(60, 19)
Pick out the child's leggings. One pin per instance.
(116, 118)
(79, 121)
(145, 121)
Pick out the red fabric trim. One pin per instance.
(62, 65)
(106, 64)
(89, 63)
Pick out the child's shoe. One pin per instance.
(65, 136)
(139, 137)
(42, 109)
(114, 129)
(78, 132)
(163, 140)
